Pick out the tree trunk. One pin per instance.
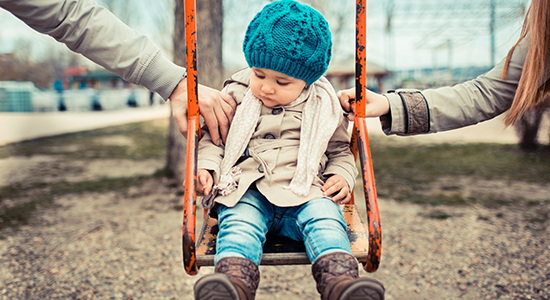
(527, 128)
(209, 67)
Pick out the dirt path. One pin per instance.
(128, 246)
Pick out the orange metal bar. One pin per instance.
(362, 139)
(360, 57)
(191, 57)
(189, 207)
(373, 215)
(193, 136)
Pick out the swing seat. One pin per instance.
(365, 238)
(281, 250)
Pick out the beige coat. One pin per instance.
(273, 152)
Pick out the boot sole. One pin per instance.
(215, 287)
(367, 289)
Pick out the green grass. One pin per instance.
(421, 163)
(405, 172)
(148, 140)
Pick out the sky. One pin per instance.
(406, 48)
(398, 51)
(12, 29)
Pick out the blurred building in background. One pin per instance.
(80, 89)
(342, 75)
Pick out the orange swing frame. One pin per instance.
(366, 240)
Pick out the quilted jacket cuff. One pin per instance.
(416, 108)
(409, 113)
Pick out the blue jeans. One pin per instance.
(319, 223)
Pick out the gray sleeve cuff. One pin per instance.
(162, 76)
(394, 122)
(417, 114)
(409, 113)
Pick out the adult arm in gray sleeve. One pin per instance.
(446, 108)
(87, 28)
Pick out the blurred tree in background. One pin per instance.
(528, 125)
(42, 70)
(209, 66)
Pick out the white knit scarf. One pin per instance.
(321, 116)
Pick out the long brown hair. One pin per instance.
(529, 92)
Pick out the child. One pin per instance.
(286, 161)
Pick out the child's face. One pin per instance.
(274, 88)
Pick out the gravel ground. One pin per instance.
(128, 246)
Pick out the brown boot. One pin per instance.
(235, 278)
(337, 277)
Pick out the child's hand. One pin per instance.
(204, 182)
(337, 186)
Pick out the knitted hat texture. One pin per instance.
(290, 38)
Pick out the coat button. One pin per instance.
(260, 168)
(269, 136)
(277, 110)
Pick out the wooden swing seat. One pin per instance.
(280, 250)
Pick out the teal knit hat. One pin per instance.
(290, 38)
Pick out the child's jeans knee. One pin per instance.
(319, 223)
(242, 228)
(323, 227)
